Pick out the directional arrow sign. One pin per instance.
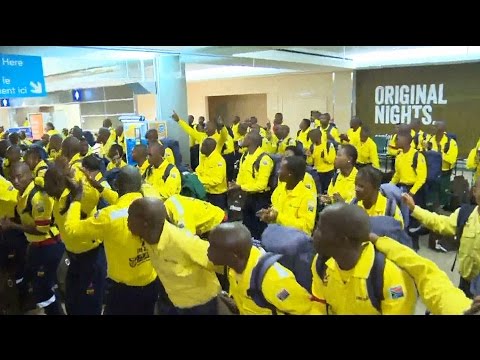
(21, 76)
(77, 95)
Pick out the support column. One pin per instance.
(172, 95)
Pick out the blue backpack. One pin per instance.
(388, 226)
(374, 280)
(175, 147)
(256, 280)
(296, 248)
(434, 165)
(315, 176)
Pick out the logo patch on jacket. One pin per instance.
(282, 295)
(396, 292)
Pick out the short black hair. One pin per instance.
(307, 121)
(295, 149)
(405, 131)
(34, 150)
(297, 166)
(118, 148)
(351, 151)
(91, 162)
(372, 175)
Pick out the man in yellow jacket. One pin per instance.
(179, 258)
(212, 173)
(231, 245)
(347, 262)
(293, 204)
(473, 161)
(132, 280)
(468, 255)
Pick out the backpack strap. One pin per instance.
(415, 161)
(28, 208)
(298, 133)
(375, 281)
(45, 167)
(334, 178)
(416, 139)
(256, 163)
(256, 280)
(354, 201)
(148, 172)
(166, 174)
(68, 202)
(447, 145)
(463, 215)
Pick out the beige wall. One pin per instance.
(244, 106)
(293, 95)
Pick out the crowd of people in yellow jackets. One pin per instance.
(138, 246)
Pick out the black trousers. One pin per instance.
(253, 203)
(219, 200)
(325, 179)
(464, 285)
(230, 161)
(419, 199)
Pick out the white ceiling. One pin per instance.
(77, 67)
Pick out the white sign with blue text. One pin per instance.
(21, 76)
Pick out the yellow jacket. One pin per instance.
(111, 165)
(8, 198)
(450, 157)
(246, 179)
(212, 173)
(220, 138)
(333, 132)
(436, 290)
(468, 254)
(323, 157)
(171, 186)
(367, 153)
(391, 144)
(380, 208)
(39, 173)
(296, 208)
(196, 216)
(345, 292)
(76, 245)
(279, 287)
(181, 262)
(473, 162)
(281, 145)
(302, 137)
(345, 186)
(406, 174)
(144, 167)
(310, 183)
(353, 136)
(40, 215)
(128, 261)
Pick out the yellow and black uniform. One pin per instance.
(111, 165)
(310, 183)
(344, 185)
(368, 154)
(473, 162)
(166, 179)
(168, 154)
(468, 254)
(236, 135)
(193, 215)
(281, 145)
(279, 287)
(392, 149)
(8, 198)
(85, 281)
(39, 173)
(302, 137)
(323, 158)
(406, 174)
(353, 137)
(254, 181)
(219, 137)
(120, 140)
(436, 290)
(134, 289)
(344, 292)
(333, 131)
(35, 208)
(181, 262)
(380, 208)
(143, 167)
(449, 149)
(212, 173)
(296, 208)
(418, 139)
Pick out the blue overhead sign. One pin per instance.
(26, 129)
(77, 95)
(4, 103)
(21, 76)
